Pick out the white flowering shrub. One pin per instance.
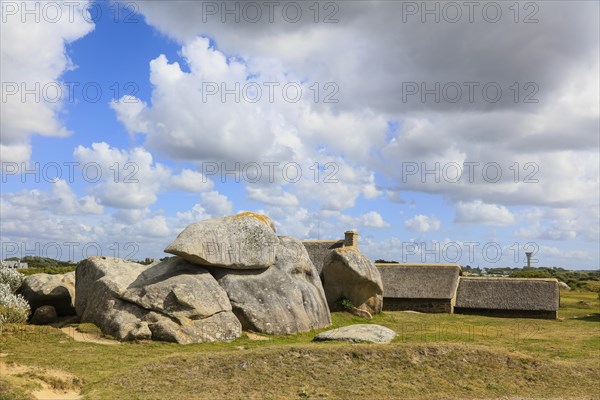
(14, 309)
(11, 277)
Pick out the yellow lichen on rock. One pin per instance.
(260, 217)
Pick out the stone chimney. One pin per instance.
(351, 239)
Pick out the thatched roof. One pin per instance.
(419, 281)
(508, 294)
(318, 249)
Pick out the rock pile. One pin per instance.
(228, 274)
(173, 301)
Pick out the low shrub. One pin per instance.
(11, 277)
(14, 309)
(14, 315)
(344, 304)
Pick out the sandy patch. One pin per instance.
(256, 336)
(50, 394)
(61, 386)
(79, 336)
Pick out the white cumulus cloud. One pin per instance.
(422, 223)
(33, 57)
(478, 212)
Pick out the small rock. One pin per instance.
(361, 313)
(44, 315)
(563, 286)
(366, 333)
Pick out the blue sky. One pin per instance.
(168, 134)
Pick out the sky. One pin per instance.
(444, 132)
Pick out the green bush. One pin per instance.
(44, 262)
(345, 304)
(14, 309)
(531, 273)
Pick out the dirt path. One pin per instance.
(79, 336)
(55, 384)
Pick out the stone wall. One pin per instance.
(420, 305)
(506, 313)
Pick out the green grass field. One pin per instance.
(434, 356)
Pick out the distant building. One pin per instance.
(440, 288)
(13, 264)
(429, 288)
(508, 297)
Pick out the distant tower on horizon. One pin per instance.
(528, 254)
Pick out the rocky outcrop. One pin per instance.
(57, 291)
(286, 298)
(350, 275)
(362, 333)
(229, 273)
(243, 241)
(171, 301)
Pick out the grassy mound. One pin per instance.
(434, 356)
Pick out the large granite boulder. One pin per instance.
(242, 241)
(119, 274)
(348, 274)
(171, 301)
(57, 291)
(361, 333)
(285, 299)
